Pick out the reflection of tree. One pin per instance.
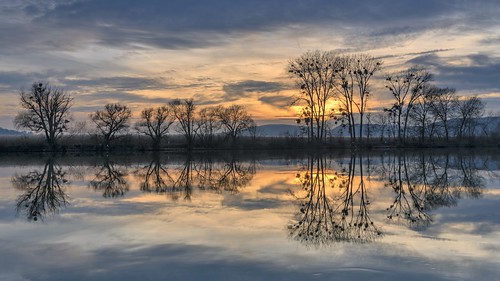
(427, 182)
(233, 175)
(184, 181)
(110, 180)
(332, 207)
(155, 177)
(176, 183)
(203, 174)
(43, 190)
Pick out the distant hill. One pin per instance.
(484, 126)
(278, 130)
(7, 132)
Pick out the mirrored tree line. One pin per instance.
(44, 191)
(334, 203)
(333, 206)
(423, 183)
(229, 175)
(334, 200)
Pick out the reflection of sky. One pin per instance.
(235, 236)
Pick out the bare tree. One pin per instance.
(469, 109)
(354, 73)
(421, 114)
(206, 125)
(406, 87)
(111, 121)
(184, 112)
(443, 106)
(314, 74)
(46, 109)
(234, 120)
(155, 123)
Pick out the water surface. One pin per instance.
(378, 216)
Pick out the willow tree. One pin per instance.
(406, 87)
(314, 74)
(46, 110)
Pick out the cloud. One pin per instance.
(242, 89)
(478, 73)
(122, 83)
(180, 24)
(120, 97)
(14, 80)
(277, 100)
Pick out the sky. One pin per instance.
(146, 53)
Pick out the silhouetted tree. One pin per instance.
(406, 87)
(314, 74)
(155, 123)
(234, 120)
(185, 114)
(43, 190)
(46, 109)
(111, 121)
(443, 106)
(422, 115)
(468, 109)
(353, 74)
(207, 125)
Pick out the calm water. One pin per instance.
(378, 216)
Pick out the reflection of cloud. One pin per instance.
(252, 204)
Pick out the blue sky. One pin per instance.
(144, 53)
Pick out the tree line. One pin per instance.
(334, 90)
(46, 110)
